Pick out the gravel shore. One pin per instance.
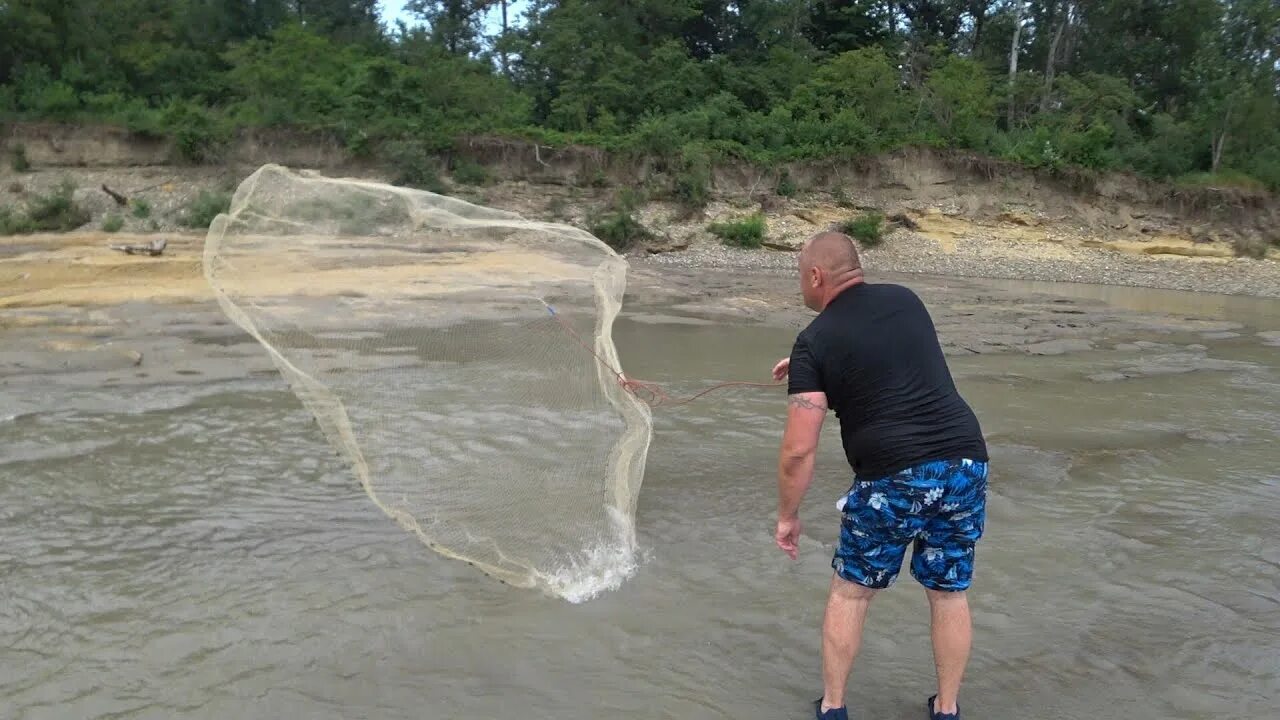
(907, 252)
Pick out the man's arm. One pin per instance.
(806, 412)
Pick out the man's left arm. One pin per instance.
(806, 412)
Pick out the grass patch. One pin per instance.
(205, 208)
(141, 209)
(113, 224)
(867, 229)
(745, 233)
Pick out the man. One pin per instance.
(917, 452)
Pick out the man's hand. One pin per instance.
(781, 369)
(788, 535)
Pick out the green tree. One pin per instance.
(454, 24)
(961, 102)
(1235, 75)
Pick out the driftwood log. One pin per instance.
(120, 199)
(154, 248)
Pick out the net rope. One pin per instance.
(651, 393)
(439, 345)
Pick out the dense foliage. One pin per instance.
(1184, 89)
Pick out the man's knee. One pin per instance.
(846, 590)
(946, 596)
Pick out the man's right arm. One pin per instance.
(806, 412)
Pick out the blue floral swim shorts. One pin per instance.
(939, 507)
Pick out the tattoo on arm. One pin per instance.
(803, 402)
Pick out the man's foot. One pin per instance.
(832, 714)
(942, 716)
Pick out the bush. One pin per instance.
(18, 158)
(413, 166)
(205, 208)
(14, 223)
(112, 223)
(745, 233)
(58, 211)
(619, 228)
(867, 229)
(56, 100)
(841, 197)
(1264, 166)
(469, 173)
(692, 185)
(1251, 246)
(786, 186)
(198, 135)
(141, 209)
(46, 213)
(558, 209)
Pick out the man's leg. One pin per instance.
(841, 637)
(952, 633)
(876, 529)
(943, 563)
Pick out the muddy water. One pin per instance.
(194, 551)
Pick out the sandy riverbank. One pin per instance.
(68, 304)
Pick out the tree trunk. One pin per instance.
(1219, 143)
(1050, 63)
(506, 68)
(979, 17)
(1013, 60)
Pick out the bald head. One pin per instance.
(833, 252)
(829, 265)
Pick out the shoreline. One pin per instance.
(907, 253)
(85, 319)
(78, 269)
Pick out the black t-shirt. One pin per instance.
(875, 353)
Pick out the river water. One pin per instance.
(195, 551)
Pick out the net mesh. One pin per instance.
(440, 347)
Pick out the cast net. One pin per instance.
(459, 357)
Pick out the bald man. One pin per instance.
(917, 453)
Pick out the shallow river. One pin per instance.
(195, 551)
